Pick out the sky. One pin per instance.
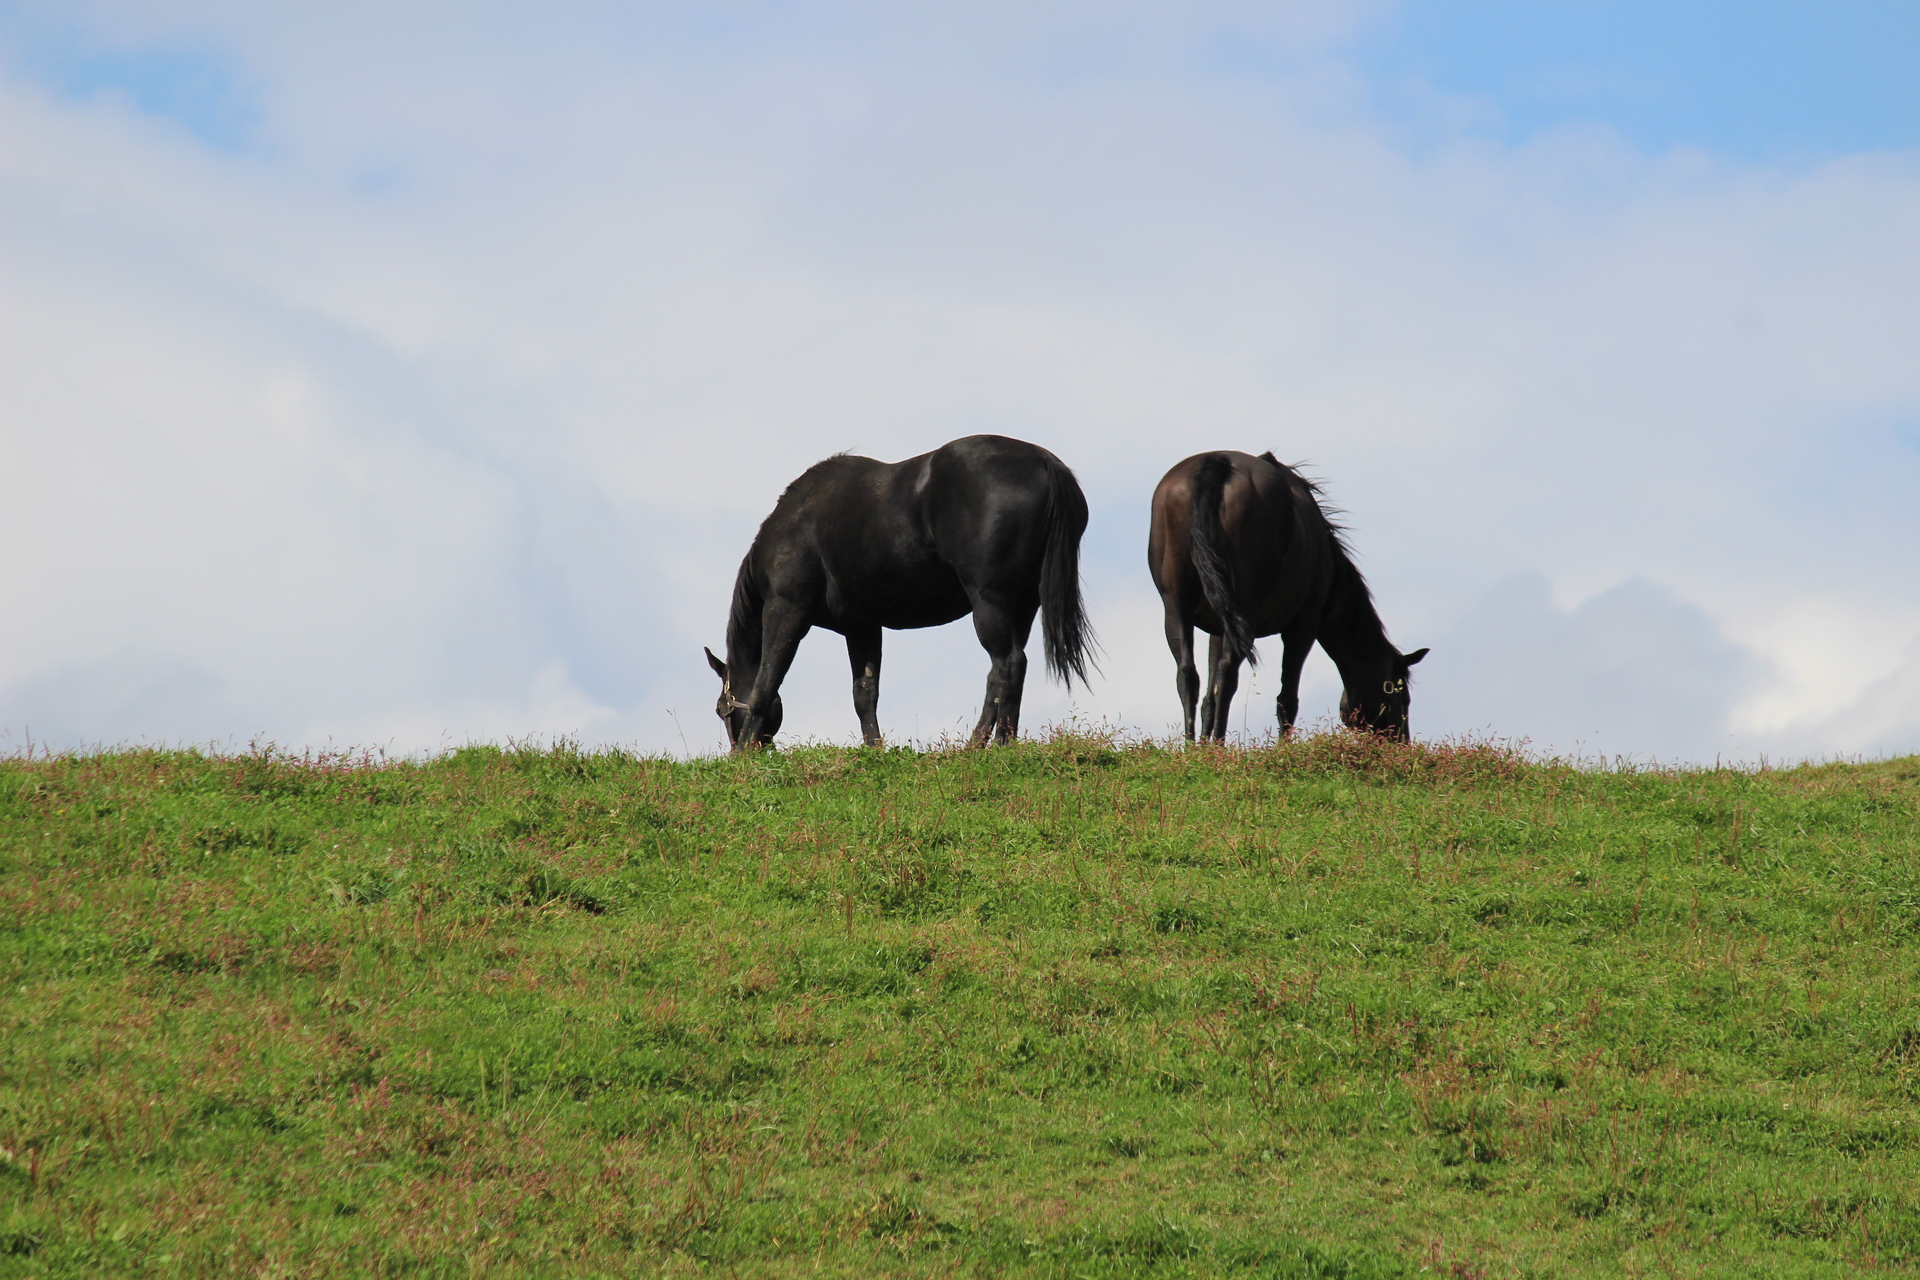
(393, 376)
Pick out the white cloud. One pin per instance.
(448, 407)
(1883, 720)
(1634, 670)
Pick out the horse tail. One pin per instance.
(1208, 546)
(1068, 635)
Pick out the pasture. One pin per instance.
(1335, 1007)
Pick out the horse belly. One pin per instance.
(927, 603)
(928, 598)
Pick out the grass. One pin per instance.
(1328, 1008)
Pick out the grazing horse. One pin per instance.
(985, 525)
(1241, 546)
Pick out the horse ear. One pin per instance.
(719, 667)
(1415, 656)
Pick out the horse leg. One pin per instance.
(1003, 634)
(1185, 678)
(1207, 701)
(782, 629)
(863, 654)
(1298, 644)
(1224, 678)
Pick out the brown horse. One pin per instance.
(1241, 546)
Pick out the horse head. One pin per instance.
(736, 715)
(1378, 701)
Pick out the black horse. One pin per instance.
(1241, 546)
(985, 525)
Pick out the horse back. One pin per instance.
(858, 542)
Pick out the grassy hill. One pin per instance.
(1331, 1008)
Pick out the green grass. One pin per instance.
(1332, 1008)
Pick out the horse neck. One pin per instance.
(743, 629)
(1351, 631)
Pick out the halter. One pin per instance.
(732, 703)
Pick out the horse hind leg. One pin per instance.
(1186, 677)
(1211, 696)
(1223, 680)
(1003, 634)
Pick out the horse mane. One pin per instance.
(802, 478)
(743, 613)
(1346, 574)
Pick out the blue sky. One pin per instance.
(187, 78)
(370, 366)
(1755, 80)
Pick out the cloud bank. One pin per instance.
(382, 375)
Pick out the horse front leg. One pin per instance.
(1297, 645)
(1223, 680)
(1003, 631)
(1186, 677)
(863, 655)
(782, 629)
